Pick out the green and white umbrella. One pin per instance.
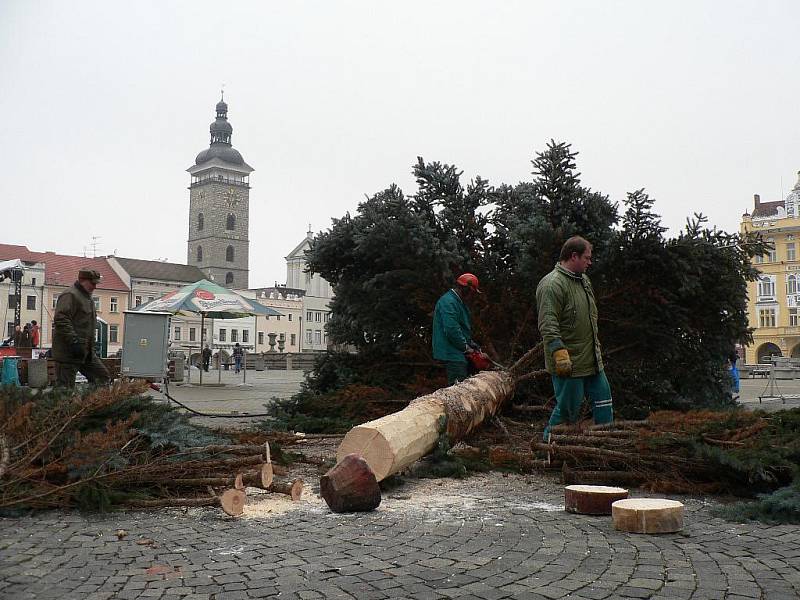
(209, 300)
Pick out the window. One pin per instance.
(325, 317)
(318, 317)
(791, 284)
(228, 278)
(293, 338)
(199, 254)
(793, 317)
(772, 254)
(137, 301)
(230, 222)
(766, 317)
(114, 305)
(308, 337)
(260, 338)
(150, 298)
(318, 337)
(33, 280)
(177, 336)
(200, 221)
(222, 335)
(766, 287)
(309, 316)
(229, 253)
(205, 333)
(290, 316)
(192, 334)
(790, 252)
(12, 301)
(30, 302)
(277, 317)
(759, 259)
(234, 335)
(96, 303)
(245, 335)
(113, 334)
(10, 329)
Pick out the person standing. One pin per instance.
(568, 325)
(452, 328)
(237, 357)
(206, 355)
(74, 323)
(35, 334)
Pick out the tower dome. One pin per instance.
(221, 133)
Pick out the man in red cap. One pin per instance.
(452, 328)
(74, 323)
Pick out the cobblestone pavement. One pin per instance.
(484, 537)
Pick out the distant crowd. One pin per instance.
(26, 336)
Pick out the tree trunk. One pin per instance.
(290, 488)
(350, 486)
(393, 442)
(231, 501)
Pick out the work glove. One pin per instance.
(563, 363)
(76, 348)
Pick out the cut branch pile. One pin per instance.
(735, 452)
(115, 446)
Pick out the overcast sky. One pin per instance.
(105, 104)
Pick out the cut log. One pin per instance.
(647, 515)
(592, 499)
(393, 442)
(231, 501)
(290, 488)
(259, 479)
(572, 476)
(350, 486)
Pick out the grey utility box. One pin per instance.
(145, 344)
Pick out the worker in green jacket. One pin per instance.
(74, 322)
(568, 324)
(452, 328)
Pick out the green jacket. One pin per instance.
(452, 328)
(568, 319)
(74, 319)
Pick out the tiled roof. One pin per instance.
(161, 271)
(767, 209)
(62, 269)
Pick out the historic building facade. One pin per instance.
(316, 299)
(219, 208)
(774, 299)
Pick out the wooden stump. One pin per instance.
(350, 486)
(293, 489)
(647, 515)
(592, 499)
(232, 502)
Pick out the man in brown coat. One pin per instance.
(73, 340)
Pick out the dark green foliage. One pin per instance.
(781, 506)
(671, 309)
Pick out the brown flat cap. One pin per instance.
(90, 274)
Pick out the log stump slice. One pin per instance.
(232, 502)
(647, 515)
(350, 486)
(592, 499)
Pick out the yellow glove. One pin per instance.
(563, 363)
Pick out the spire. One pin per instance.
(221, 130)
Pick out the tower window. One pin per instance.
(230, 224)
(229, 254)
(228, 278)
(199, 254)
(200, 222)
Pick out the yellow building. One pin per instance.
(774, 300)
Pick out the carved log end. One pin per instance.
(350, 486)
(647, 515)
(232, 502)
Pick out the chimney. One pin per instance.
(757, 200)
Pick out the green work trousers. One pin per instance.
(92, 368)
(456, 371)
(570, 392)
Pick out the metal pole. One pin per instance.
(202, 346)
(244, 358)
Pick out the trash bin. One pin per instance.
(259, 362)
(10, 375)
(37, 373)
